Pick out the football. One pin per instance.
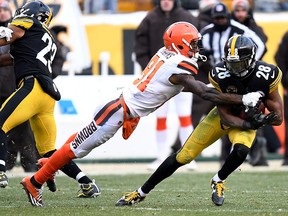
(247, 113)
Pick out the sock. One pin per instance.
(79, 176)
(142, 194)
(184, 133)
(55, 162)
(234, 160)
(72, 170)
(35, 183)
(167, 168)
(84, 180)
(161, 137)
(3, 150)
(216, 178)
(185, 128)
(161, 142)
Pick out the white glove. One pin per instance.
(5, 33)
(251, 99)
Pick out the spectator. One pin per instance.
(281, 60)
(98, 6)
(148, 40)
(214, 37)
(20, 139)
(215, 34)
(205, 10)
(242, 13)
(62, 51)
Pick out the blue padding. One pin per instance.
(67, 107)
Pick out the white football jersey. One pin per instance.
(153, 88)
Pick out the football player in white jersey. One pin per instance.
(169, 72)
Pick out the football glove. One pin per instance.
(259, 120)
(251, 99)
(5, 33)
(251, 112)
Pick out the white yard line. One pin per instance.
(141, 168)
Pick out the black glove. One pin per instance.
(252, 112)
(259, 120)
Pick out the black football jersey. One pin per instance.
(35, 51)
(264, 78)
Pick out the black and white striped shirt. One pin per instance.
(215, 41)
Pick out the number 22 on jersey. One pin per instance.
(148, 73)
(50, 47)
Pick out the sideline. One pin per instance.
(141, 168)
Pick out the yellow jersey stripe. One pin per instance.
(23, 22)
(276, 82)
(214, 83)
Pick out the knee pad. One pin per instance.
(185, 156)
(241, 151)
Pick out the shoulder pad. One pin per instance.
(189, 66)
(24, 22)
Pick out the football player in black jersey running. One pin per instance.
(239, 73)
(33, 49)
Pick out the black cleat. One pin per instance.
(90, 190)
(3, 179)
(129, 199)
(218, 192)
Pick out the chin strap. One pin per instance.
(201, 57)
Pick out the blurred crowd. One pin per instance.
(114, 6)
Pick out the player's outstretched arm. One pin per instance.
(9, 34)
(211, 94)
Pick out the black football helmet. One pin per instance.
(240, 54)
(36, 9)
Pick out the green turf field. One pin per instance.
(261, 193)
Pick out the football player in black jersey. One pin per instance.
(33, 49)
(239, 73)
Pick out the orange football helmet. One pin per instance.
(182, 38)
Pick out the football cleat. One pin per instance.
(218, 192)
(3, 179)
(90, 190)
(34, 194)
(130, 198)
(51, 183)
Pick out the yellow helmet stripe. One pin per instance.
(232, 51)
(49, 18)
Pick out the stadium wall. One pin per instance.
(114, 33)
